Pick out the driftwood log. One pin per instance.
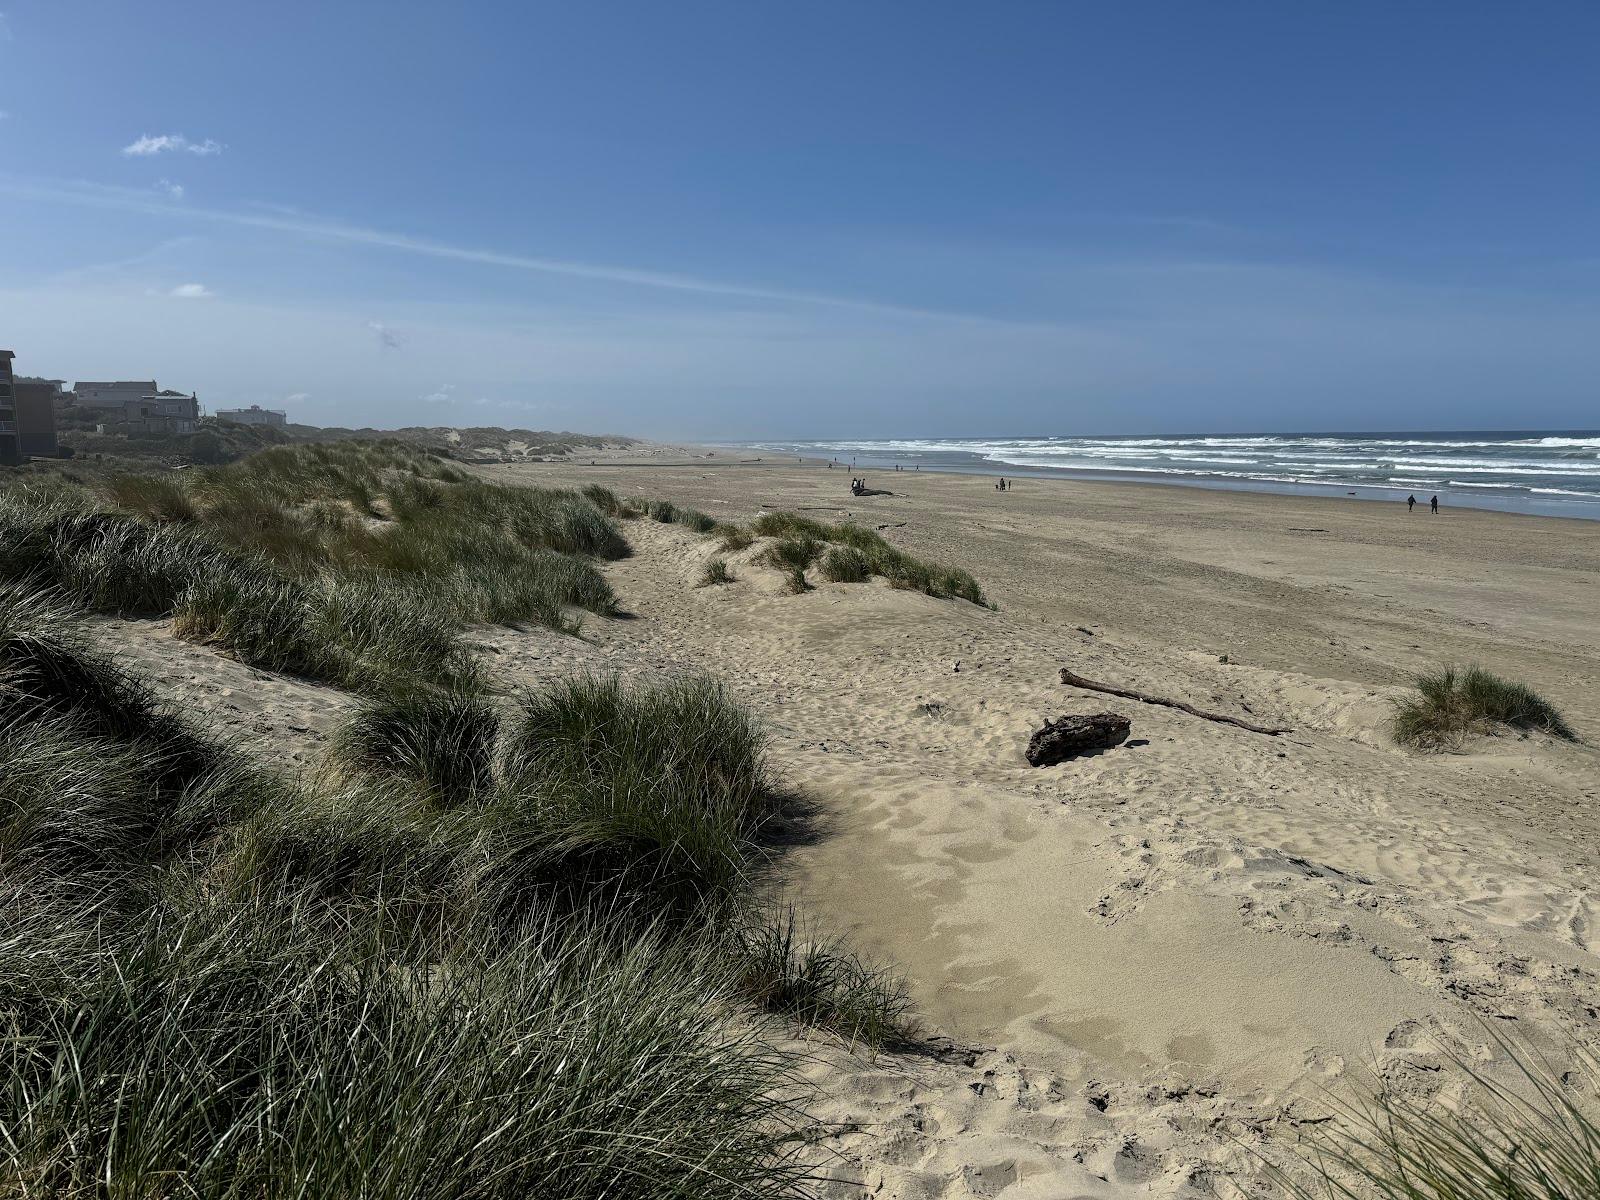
(1089, 685)
(1068, 737)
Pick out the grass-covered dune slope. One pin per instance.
(496, 949)
(847, 553)
(356, 564)
(493, 945)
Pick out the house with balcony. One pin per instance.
(27, 415)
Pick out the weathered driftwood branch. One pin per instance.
(1090, 685)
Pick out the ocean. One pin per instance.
(1554, 473)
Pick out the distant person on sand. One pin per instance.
(1411, 503)
(1435, 503)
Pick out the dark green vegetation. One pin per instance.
(1452, 703)
(1530, 1141)
(873, 556)
(499, 949)
(351, 563)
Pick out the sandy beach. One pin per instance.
(1146, 970)
(1206, 925)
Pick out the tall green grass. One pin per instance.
(492, 956)
(1452, 703)
(352, 563)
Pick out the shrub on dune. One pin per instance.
(442, 742)
(662, 510)
(694, 519)
(734, 537)
(793, 553)
(665, 783)
(845, 564)
(1452, 703)
(789, 525)
(716, 572)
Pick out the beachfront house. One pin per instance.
(27, 415)
(136, 406)
(254, 415)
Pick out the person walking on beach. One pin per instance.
(1435, 503)
(1411, 503)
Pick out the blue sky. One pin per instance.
(832, 220)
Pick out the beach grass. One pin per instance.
(859, 553)
(1452, 703)
(792, 967)
(319, 560)
(716, 572)
(1531, 1139)
(489, 952)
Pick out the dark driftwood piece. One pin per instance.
(1090, 685)
(1068, 737)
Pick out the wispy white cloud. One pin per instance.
(297, 397)
(443, 394)
(191, 291)
(387, 338)
(175, 190)
(152, 144)
(129, 200)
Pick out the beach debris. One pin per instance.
(1089, 685)
(1067, 737)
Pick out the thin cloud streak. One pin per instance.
(122, 199)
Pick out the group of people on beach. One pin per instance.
(1002, 485)
(1411, 503)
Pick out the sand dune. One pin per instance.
(1144, 965)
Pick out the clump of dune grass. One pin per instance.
(1452, 703)
(861, 553)
(791, 967)
(1536, 1139)
(692, 518)
(662, 510)
(734, 537)
(845, 564)
(664, 787)
(608, 502)
(795, 581)
(443, 742)
(716, 572)
(793, 553)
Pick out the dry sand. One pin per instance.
(1149, 964)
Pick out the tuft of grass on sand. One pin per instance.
(792, 968)
(1534, 1140)
(716, 572)
(1452, 703)
(861, 553)
(846, 564)
(441, 742)
(793, 553)
(734, 537)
